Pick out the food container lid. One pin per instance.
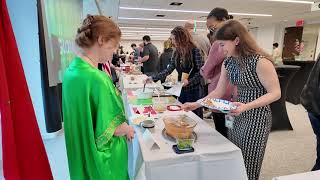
(181, 121)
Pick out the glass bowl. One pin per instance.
(185, 143)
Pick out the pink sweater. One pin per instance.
(212, 70)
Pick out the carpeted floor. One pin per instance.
(290, 152)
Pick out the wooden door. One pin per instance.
(292, 34)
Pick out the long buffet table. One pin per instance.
(215, 157)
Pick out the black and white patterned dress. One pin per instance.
(251, 128)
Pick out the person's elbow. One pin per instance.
(202, 72)
(277, 94)
(146, 58)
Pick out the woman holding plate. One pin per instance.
(188, 61)
(249, 68)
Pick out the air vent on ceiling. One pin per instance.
(160, 15)
(245, 19)
(176, 4)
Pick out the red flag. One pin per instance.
(24, 155)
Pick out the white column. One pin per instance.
(265, 37)
(318, 46)
(279, 35)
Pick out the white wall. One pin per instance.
(254, 32)
(265, 37)
(127, 44)
(310, 37)
(23, 15)
(279, 35)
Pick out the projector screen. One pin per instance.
(61, 20)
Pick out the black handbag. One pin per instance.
(310, 95)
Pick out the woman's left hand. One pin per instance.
(241, 107)
(185, 82)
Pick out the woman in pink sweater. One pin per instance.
(212, 68)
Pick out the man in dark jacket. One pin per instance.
(310, 99)
(165, 57)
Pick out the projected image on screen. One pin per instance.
(61, 21)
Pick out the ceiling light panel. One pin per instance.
(152, 19)
(190, 11)
(292, 1)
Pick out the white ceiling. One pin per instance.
(280, 11)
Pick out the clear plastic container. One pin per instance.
(159, 104)
(185, 143)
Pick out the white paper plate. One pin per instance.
(168, 84)
(218, 104)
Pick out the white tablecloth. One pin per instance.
(313, 175)
(215, 157)
(138, 82)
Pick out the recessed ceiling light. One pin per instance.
(176, 4)
(292, 1)
(191, 11)
(151, 19)
(285, 20)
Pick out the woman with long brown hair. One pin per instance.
(249, 68)
(95, 125)
(187, 61)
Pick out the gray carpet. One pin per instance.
(290, 152)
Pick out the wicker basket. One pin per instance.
(179, 126)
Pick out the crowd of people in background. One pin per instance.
(226, 64)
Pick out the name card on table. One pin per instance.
(149, 140)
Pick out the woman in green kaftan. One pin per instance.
(96, 131)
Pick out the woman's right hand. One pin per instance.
(124, 130)
(130, 133)
(190, 106)
(148, 80)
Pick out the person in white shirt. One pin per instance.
(276, 54)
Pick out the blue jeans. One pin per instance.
(315, 123)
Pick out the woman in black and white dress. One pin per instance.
(249, 68)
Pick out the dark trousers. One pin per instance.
(219, 122)
(192, 96)
(315, 123)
